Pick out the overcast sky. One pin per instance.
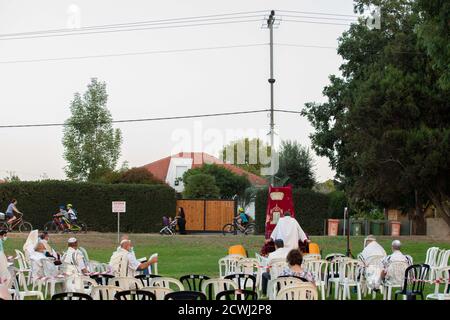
(155, 85)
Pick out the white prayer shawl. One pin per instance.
(5, 275)
(30, 244)
(37, 267)
(74, 261)
(372, 249)
(288, 230)
(119, 263)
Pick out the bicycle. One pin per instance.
(235, 228)
(64, 225)
(19, 223)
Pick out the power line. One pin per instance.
(132, 29)
(318, 18)
(317, 13)
(132, 53)
(151, 119)
(317, 22)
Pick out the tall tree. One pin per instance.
(296, 165)
(386, 124)
(248, 154)
(92, 146)
(201, 186)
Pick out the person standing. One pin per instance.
(11, 210)
(5, 275)
(181, 221)
(288, 230)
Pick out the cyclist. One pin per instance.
(72, 214)
(242, 219)
(11, 210)
(59, 218)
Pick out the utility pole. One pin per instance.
(270, 22)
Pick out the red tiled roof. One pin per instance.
(160, 167)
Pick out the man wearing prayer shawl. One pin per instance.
(289, 230)
(372, 248)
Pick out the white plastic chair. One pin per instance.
(23, 267)
(214, 286)
(441, 262)
(303, 291)
(262, 264)
(166, 282)
(228, 264)
(443, 277)
(159, 292)
(319, 269)
(395, 276)
(276, 267)
(21, 295)
(126, 283)
(51, 277)
(276, 285)
(335, 261)
(310, 257)
(104, 292)
(348, 277)
(248, 266)
(431, 259)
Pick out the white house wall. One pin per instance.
(172, 172)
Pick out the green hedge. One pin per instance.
(146, 204)
(311, 208)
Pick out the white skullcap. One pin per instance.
(72, 240)
(370, 238)
(396, 243)
(124, 241)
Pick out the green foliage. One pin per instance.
(248, 154)
(229, 183)
(137, 175)
(12, 177)
(311, 209)
(296, 165)
(337, 204)
(200, 186)
(146, 204)
(325, 187)
(92, 146)
(386, 125)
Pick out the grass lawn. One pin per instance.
(198, 254)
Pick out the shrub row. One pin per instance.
(311, 209)
(146, 204)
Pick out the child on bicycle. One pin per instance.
(58, 217)
(11, 210)
(242, 218)
(72, 214)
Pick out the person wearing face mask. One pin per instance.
(4, 272)
(123, 261)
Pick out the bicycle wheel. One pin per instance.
(4, 226)
(83, 227)
(25, 227)
(51, 227)
(251, 228)
(229, 228)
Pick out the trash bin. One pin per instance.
(356, 228)
(333, 225)
(377, 228)
(395, 228)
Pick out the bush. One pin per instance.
(338, 202)
(201, 186)
(138, 175)
(311, 208)
(146, 204)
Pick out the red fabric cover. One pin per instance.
(286, 204)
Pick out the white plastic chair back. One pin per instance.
(218, 285)
(248, 266)
(228, 264)
(395, 273)
(79, 283)
(104, 292)
(166, 282)
(348, 270)
(159, 292)
(310, 257)
(431, 256)
(126, 283)
(303, 291)
(23, 264)
(276, 267)
(262, 261)
(283, 282)
(318, 268)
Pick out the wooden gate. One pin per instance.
(207, 215)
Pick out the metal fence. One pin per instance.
(367, 227)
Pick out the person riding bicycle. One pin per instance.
(242, 218)
(11, 210)
(59, 217)
(72, 214)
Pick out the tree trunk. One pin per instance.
(419, 223)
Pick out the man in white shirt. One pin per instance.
(124, 256)
(372, 248)
(280, 253)
(396, 256)
(288, 230)
(74, 257)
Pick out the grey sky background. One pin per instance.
(156, 85)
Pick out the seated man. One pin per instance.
(49, 251)
(280, 253)
(396, 256)
(37, 267)
(125, 255)
(372, 248)
(75, 258)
